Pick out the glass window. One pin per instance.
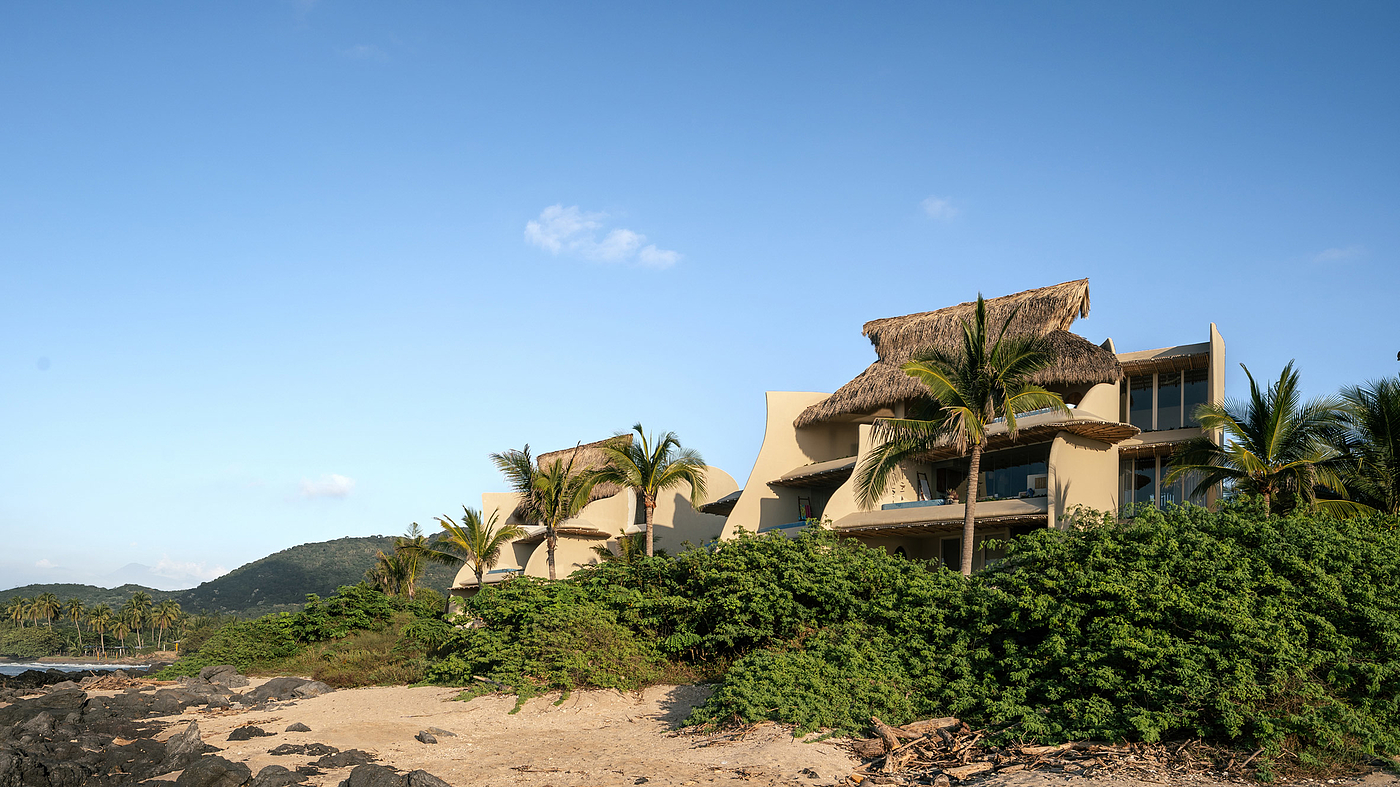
(1145, 480)
(1140, 401)
(1169, 400)
(1170, 492)
(1126, 490)
(952, 553)
(1193, 394)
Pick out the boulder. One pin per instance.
(319, 750)
(41, 724)
(214, 771)
(421, 778)
(249, 732)
(223, 675)
(277, 689)
(374, 776)
(287, 748)
(66, 685)
(441, 733)
(182, 748)
(313, 688)
(298, 727)
(344, 759)
(424, 736)
(277, 776)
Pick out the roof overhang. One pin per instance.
(820, 474)
(941, 520)
(1167, 359)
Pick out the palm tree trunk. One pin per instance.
(1266, 502)
(549, 542)
(650, 503)
(970, 509)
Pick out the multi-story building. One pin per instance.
(1128, 413)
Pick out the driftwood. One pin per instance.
(945, 751)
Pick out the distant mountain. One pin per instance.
(275, 583)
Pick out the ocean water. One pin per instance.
(17, 668)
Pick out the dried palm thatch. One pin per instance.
(1046, 312)
(589, 458)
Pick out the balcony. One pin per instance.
(927, 517)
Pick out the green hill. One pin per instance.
(90, 595)
(282, 580)
(275, 583)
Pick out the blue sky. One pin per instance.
(268, 272)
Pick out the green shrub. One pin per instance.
(29, 643)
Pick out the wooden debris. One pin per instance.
(945, 751)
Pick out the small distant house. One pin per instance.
(611, 513)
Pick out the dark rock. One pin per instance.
(421, 778)
(66, 685)
(344, 759)
(313, 688)
(319, 750)
(277, 776)
(41, 724)
(287, 748)
(182, 748)
(298, 727)
(214, 772)
(309, 770)
(223, 675)
(424, 736)
(248, 733)
(441, 733)
(57, 705)
(375, 776)
(218, 703)
(277, 689)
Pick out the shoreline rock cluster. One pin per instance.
(53, 733)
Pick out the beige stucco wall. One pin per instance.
(570, 555)
(784, 448)
(676, 522)
(1083, 472)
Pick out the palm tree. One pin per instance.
(140, 606)
(1371, 439)
(478, 542)
(1275, 445)
(387, 573)
(987, 379)
(75, 610)
(47, 606)
(123, 625)
(99, 620)
(548, 495)
(167, 613)
(414, 553)
(650, 466)
(18, 610)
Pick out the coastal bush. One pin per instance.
(538, 636)
(29, 643)
(1275, 632)
(273, 643)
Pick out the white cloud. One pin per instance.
(330, 485)
(653, 257)
(940, 208)
(1340, 253)
(45, 563)
(561, 230)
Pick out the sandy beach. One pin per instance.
(590, 738)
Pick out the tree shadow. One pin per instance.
(680, 701)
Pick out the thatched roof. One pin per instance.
(1053, 308)
(1046, 312)
(589, 458)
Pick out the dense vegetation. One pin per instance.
(277, 583)
(1279, 632)
(354, 638)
